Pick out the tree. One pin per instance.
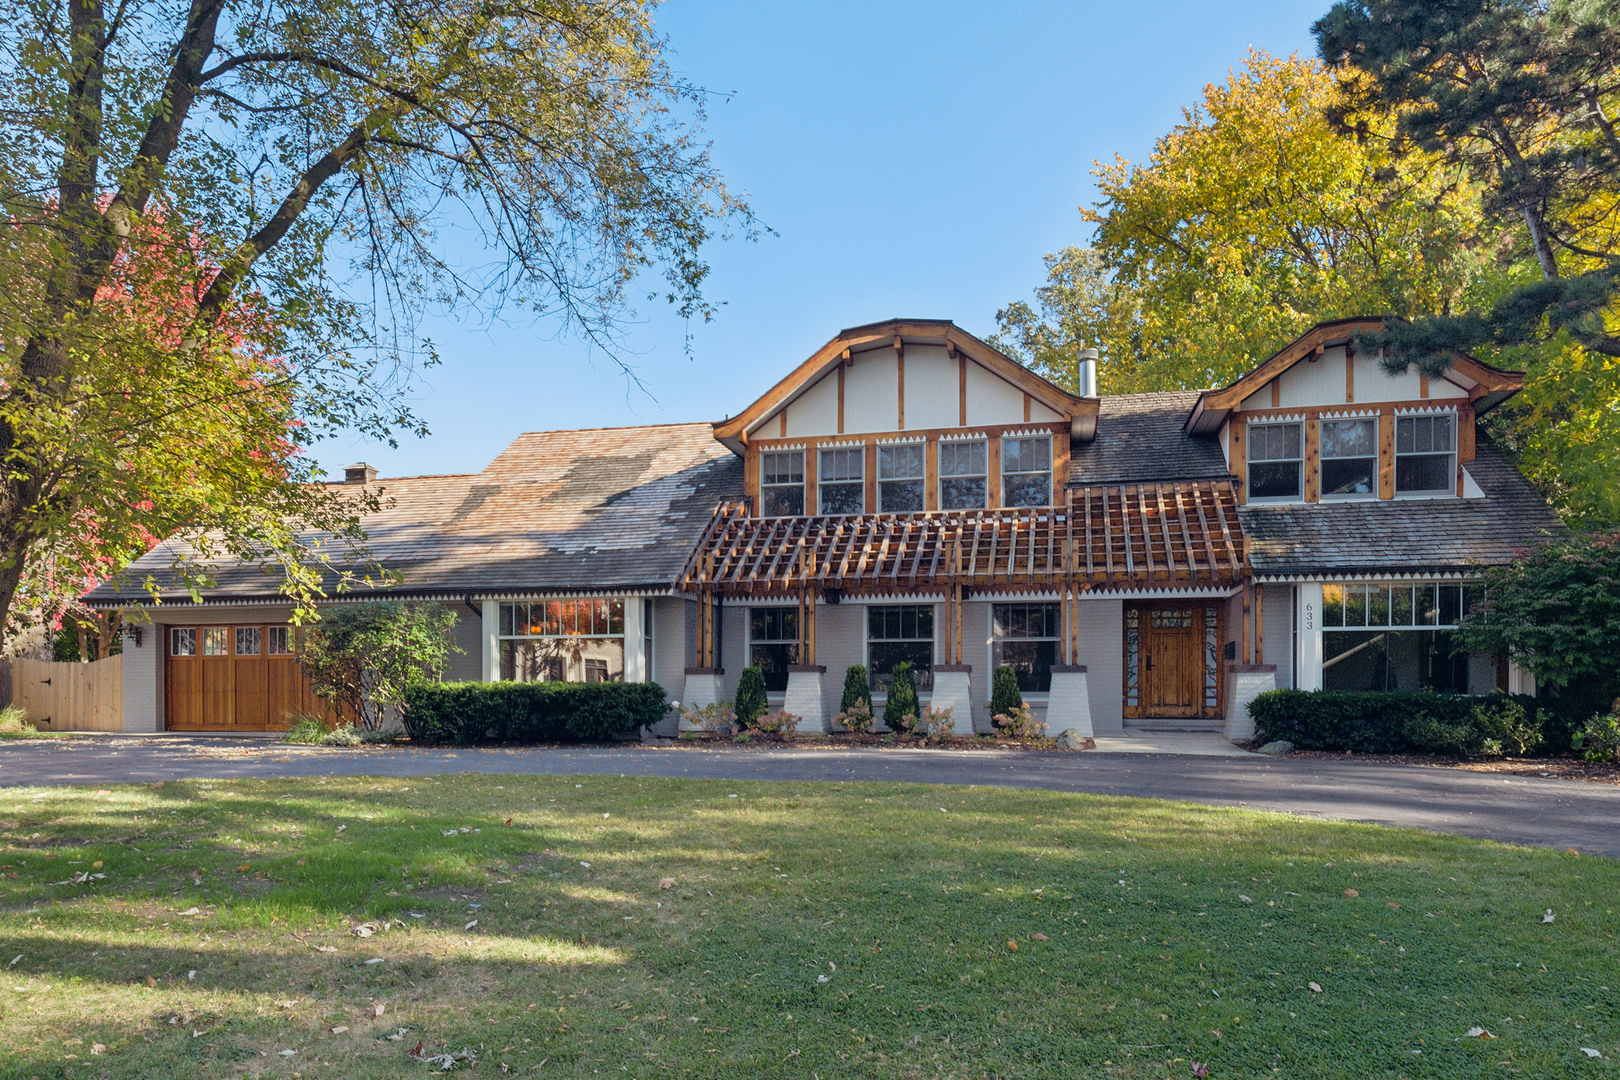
(366, 658)
(271, 182)
(1523, 93)
(902, 709)
(750, 701)
(1252, 219)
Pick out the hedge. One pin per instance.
(1397, 722)
(463, 713)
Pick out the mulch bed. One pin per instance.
(1561, 768)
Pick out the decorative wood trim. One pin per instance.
(962, 363)
(1313, 459)
(1026, 408)
(990, 431)
(1465, 433)
(1313, 412)
(931, 473)
(1276, 392)
(812, 482)
(782, 419)
(1423, 384)
(869, 472)
(1386, 452)
(1060, 462)
(992, 480)
(1237, 454)
(1349, 375)
(900, 368)
(842, 368)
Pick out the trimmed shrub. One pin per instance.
(1599, 740)
(1020, 723)
(1396, 722)
(1005, 697)
(857, 718)
(902, 708)
(857, 689)
(750, 703)
(778, 722)
(464, 713)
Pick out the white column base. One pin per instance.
(953, 689)
(1244, 683)
(703, 687)
(1069, 704)
(805, 698)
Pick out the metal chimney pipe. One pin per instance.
(1087, 372)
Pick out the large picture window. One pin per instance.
(1025, 637)
(964, 474)
(900, 478)
(563, 641)
(1425, 454)
(1026, 471)
(842, 485)
(1399, 637)
(773, 643)
(1276, 461)
(896, 634)
(1349, 457)
(781, 483)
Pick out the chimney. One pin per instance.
(359, 474)
(1087, 372)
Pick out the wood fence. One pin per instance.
(70, 697)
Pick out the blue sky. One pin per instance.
(915, 159)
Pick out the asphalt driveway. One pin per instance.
(1513, 809)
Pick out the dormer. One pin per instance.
(907, 416)
(1320, 422)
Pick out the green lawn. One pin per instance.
(812, 931)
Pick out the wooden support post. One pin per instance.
(1259, 625)
(1248, 617)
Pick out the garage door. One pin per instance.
(235, 678)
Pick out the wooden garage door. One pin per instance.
(238, 677)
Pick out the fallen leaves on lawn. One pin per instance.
(1038, 936)
(1587, 1050)
(379, 1008)
(1479, 1033)
(1011, 944)
(666, 883)
(326, 948)
(286, 1003)
(98, 1048)
(1245, 899)
(366, 929)
(1352, 892)
(1549, 917)
(340, 1029)
(189, 911)
(470, 925)
(1316, 988)
(445, 1062)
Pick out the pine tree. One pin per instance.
(750, 704)
(1005, 697)
(902, 700)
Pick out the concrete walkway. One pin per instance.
(1196, 743)
(1521, 810)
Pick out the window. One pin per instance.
(964, 475)
(900, 478)
(1399, 637)
(563, 641)
(842, 486)
(1276, 461)
(1026, 471)
(1133, 657)
(214, 640)
(1424, 450)
(1212, 659)
(281, 641)
(773, 643)
(781, 483)
(896, 634)
(1025, 636)
(1349, 457)
(183, 642)
(247, 641)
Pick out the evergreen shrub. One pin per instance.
(1005, 697)
(1398, 722)
(856, 689)
(750, 703)
(902, 708)
(463, 713)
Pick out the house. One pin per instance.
(910, 494)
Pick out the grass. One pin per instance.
(814, 931)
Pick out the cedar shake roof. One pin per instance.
(1405, 535)
(1144, 437)
(599, 509)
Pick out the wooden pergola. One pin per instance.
(1126, 536)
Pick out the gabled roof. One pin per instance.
(1213, 406)
(1143, 437)
(735, 432)
(594, 510)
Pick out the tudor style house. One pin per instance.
(910, 494)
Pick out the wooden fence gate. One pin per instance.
(70, 697)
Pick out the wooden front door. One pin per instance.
(1172, 660)
(234, 678)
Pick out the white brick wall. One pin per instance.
(1102, 651)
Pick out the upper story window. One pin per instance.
(1425, 454)
(900, 478)
(1349, 457)
(964, 475)
(1026, 471)
(781, 483)
(843, 481)
(1276, 461)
